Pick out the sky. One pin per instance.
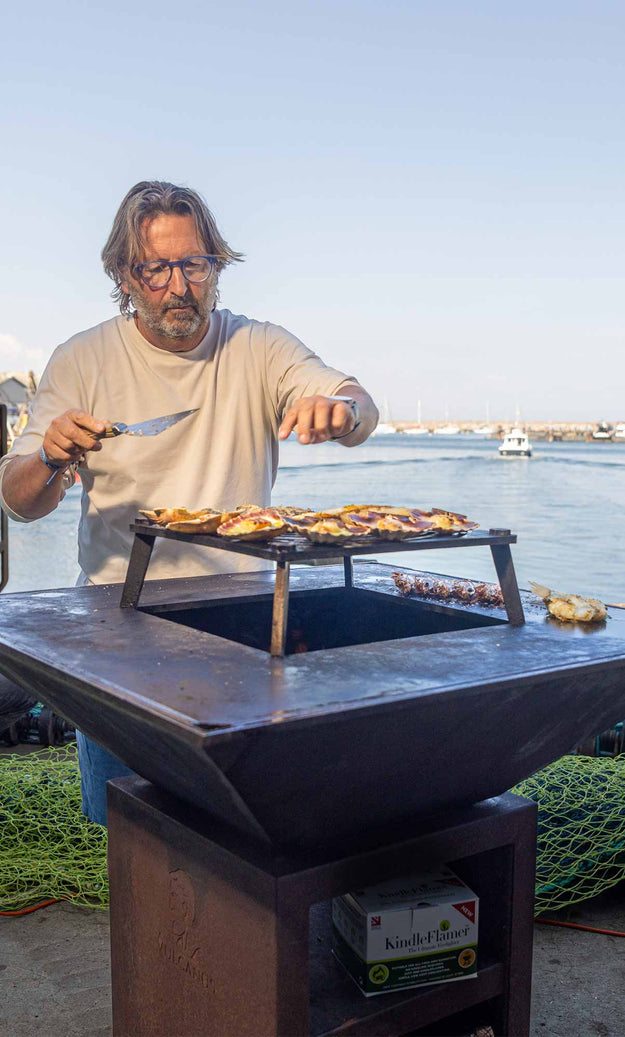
(428, 194)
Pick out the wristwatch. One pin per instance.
(351, 402)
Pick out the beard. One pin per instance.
(171, 318)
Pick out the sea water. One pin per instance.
(566, 504)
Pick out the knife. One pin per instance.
(142, 428)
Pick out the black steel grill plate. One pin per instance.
(293, 547)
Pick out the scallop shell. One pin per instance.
(257, 534)
(333, 531)
(183, 520)
(451, 522)
(401, 534)
(198, 525)
(274, 524)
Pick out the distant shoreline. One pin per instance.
(552, 431)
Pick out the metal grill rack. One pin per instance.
(293, 547)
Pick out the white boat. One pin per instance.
(484, 430)
(447, 430)
(384, 429)
(603, 431)
(619, 431)
(515, 444)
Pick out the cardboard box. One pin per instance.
(418, 929)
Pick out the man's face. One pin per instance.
(181, 310)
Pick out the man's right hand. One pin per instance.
(27, 487)
(67, 437)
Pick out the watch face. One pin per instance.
(343, 399)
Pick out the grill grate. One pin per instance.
(294, 547)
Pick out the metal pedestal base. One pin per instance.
(210, 936)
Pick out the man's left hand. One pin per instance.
(317, 419)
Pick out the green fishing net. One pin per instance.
(48, 849)
(581, 828)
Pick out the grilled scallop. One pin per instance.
(182, 520)
(333, 530)
(250, 524)
(450, 522)
(161, 516)
(205, 522)
(389, 525)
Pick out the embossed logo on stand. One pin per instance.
(177, 943)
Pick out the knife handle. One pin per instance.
(109, 432)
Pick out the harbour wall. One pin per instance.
(560, 431)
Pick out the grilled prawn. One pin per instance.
(570, 608)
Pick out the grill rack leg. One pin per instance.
(502, 557)
(280, 609)
(349, 571)
(137, 568)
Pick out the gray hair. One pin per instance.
(147, 199)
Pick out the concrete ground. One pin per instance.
(54, 973)
(55, 980)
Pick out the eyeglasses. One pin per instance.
(158, 272)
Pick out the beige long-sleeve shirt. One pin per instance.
(242, 377)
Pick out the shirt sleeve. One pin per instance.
(59, 390)
(294, 371)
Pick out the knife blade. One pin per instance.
(152, 427)
(142, 428)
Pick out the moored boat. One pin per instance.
(384, 429)
(603, 431)
(447, 430)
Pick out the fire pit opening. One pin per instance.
(322, 619)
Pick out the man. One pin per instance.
(170, 350)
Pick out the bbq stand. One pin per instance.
(290, 547)
(256, 979)
(210, 936)
(269, 784)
